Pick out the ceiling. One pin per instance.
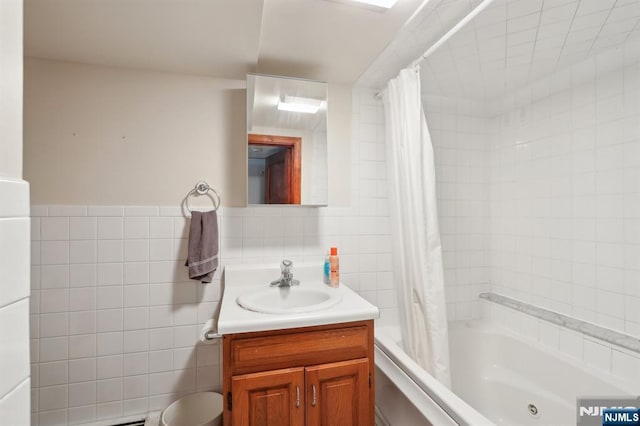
(509, 44)
(332, 41)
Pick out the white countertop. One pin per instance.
(242, 279)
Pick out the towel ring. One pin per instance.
(203, 188)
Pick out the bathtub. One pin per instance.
(497, 378)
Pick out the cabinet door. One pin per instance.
(338, 394)
(272, 398)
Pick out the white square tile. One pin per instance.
(109, 390)
(135, 406)
(82, 394)
(82, 322)
(597, 355)
(136, 250)
(136, 295)
(160, 338)
(110, 228)
(136, 341)
(82, 415)
(82, 346)
(54, 325)
(625, 366)
(53, 349)
(185, 336)
(52, 398)
(161, 227)
(109, 366)
(53, 417)
(160, 361)
(85, 251)
(82, 298)
(56, 300)
(54, 252)
(184, 358)
(54, 228)
(136, 273)
(54, 276)
(109, 343)
(161, 383)
(161, 249)
(109, 297)
(136, 228)
(109, 320)
(110, 274)
(53, 373)
(82, 370)
(83, 228)
(109, 410)
(136, 363)
(110, 251)
(136, 386)
(83, 275)
(136, 318)
(208, 355)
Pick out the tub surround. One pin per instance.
(575, 324)
(243, 279)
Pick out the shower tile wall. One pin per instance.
(459, 134)
(565, 202)
(114, 318)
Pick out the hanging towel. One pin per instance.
(202, 258)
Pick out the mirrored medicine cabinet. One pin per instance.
(286, 141)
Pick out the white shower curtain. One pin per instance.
(417, 253)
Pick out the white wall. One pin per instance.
(114, 317)
(101, 135)
(14, 226)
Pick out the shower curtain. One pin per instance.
(417, 253)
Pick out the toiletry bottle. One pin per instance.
(334, 264)
(327, 269)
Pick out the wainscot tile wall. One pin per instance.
(114, 318)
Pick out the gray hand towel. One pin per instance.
(202, 259)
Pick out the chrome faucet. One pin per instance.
(286, 278)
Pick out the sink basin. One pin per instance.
(287, 300)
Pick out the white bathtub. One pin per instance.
(495, 375)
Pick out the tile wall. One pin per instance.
(459, 132)
(114, 318)
(565, 202)
(594, 353)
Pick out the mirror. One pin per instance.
(286, 141)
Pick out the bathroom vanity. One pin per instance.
(302, 366)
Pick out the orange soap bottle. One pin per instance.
(334, 266)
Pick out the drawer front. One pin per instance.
(298, 349)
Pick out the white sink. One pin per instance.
(287, 300)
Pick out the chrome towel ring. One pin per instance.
(203, 188)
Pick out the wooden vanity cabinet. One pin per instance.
(320, 376)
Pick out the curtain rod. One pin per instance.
(464, 21)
